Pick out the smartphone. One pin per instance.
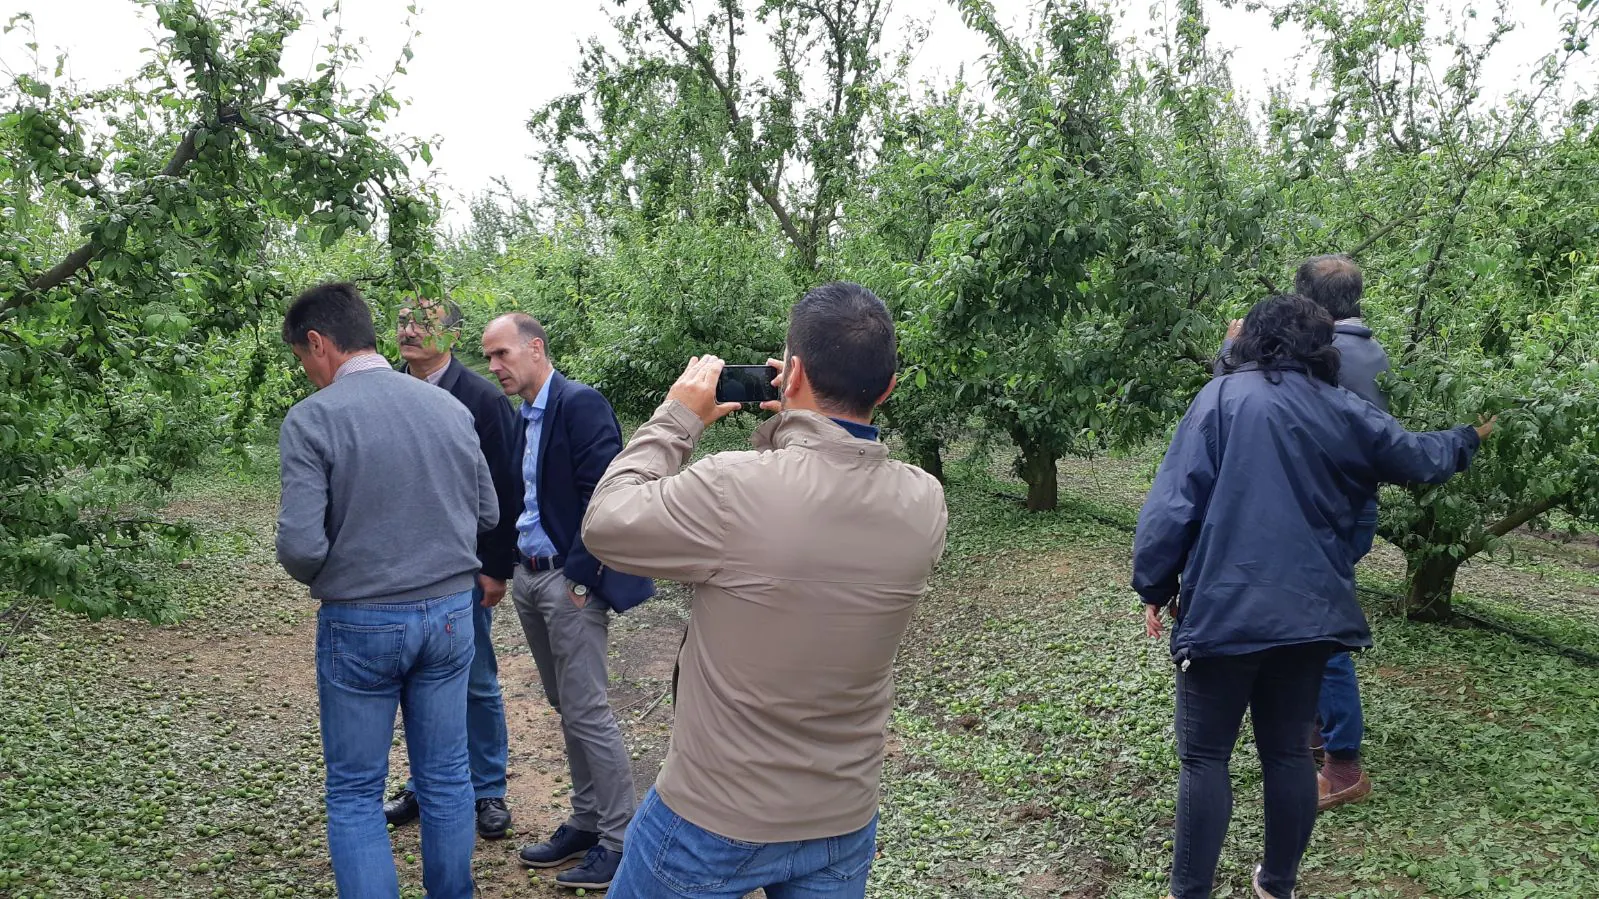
(746, 384)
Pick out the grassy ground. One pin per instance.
(1031, 753)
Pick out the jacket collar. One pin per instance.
(1353, 327)
(803, 428)
(452, 372)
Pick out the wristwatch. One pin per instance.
(580, 590)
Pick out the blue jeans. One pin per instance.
(1277, 686)
(486, 743)
(1343, 726)
(669, 858)
(372, 658)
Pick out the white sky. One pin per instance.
(481, 66)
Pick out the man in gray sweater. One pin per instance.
(384, 494)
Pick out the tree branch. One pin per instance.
(75, 261)
(756, 180)
(1514, 520)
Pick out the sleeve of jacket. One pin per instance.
(1219, 367)
(1170, 520)
(302, 540)
(1407, 457)
(596, 439)
(496, 424)
(649, 518)
(488, 502)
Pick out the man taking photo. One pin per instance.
(372, 449)
(427, 332)
(564, 596)
(807, 557)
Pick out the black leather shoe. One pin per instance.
(402, 809)
(567, 844)
(493, 818)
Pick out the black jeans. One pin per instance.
(1279, 686)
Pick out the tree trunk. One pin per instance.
(1038, 470)
(929, 454)
(1432, 585)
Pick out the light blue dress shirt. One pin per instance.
(531, 540)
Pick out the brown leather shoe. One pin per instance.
(1326, 798)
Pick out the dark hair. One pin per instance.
(845, 337)
(529, 328)
(336, 311)
(1285, 331)
(1333, 283)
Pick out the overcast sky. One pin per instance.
(482, 65)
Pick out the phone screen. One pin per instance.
(746, 384)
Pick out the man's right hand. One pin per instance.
(777, 404)
(493, 590)
(1235, 328)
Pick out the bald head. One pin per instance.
(518, 354)
(1332, 282)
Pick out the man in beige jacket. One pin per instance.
(807, 557)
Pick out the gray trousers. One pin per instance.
(569, 647)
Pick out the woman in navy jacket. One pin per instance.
(1246, 539)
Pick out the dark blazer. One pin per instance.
(498, 433)
(1252, 514)
(579, 438)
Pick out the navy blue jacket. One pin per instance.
(497, 427)
(1255, 505)
(579, 438)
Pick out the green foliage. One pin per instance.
(1476, 225)
(1062, 301)
(188, 193)
(685, 290)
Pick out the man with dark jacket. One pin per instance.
(564, 596)
(428, 330)
(1335, 284)
(363, 461)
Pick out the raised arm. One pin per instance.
(1399, 456)
(647, 517)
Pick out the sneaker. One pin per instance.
(401, 808)
(595, 873)
(1326, 798)
(567, 843)
(1262, 894)
(493, 818)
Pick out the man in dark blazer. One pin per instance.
(564, 596)
(428, 330)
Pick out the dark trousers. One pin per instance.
(1279, 687)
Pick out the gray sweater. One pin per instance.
(384, 491)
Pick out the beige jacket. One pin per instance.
(807, 557)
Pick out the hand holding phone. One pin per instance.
(696, 388)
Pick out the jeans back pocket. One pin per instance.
(365, 656)
(691, 859)
(461, 643)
